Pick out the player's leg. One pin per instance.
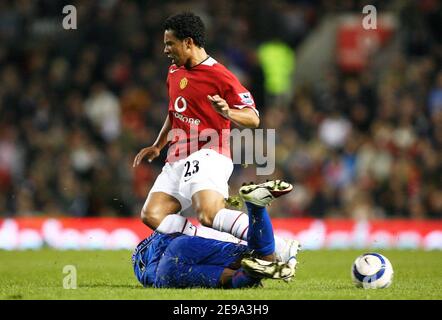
(239, 278)
(197, 262)
(209, 204)
(208, 200)
(261, 195)
(163, 198)
(260, 240)
(260, 236)
(164, 202)
(208, 188)
(158, 206)
(159, 213)
(202, 179)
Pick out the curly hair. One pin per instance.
(187, 25)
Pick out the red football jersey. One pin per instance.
(195, 123)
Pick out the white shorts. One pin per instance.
(205, 169)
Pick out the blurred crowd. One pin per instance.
(77, 105)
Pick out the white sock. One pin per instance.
(175, 223)
(211, 233)
(280, 244)
(237, 223)
(232, 221)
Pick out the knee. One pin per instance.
(205, 220)
(206, 214)
(152, 217)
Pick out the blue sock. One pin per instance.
(260, 234)
(241, 279)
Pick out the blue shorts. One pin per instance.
(196, 262)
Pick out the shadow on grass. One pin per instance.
(108, 285)
(13, 297)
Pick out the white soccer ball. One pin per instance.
(372, 271)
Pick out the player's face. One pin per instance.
(174, 48)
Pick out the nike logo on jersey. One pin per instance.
(173, 70)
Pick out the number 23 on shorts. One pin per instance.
(190, 168)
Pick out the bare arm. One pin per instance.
(245, 117)
(161, 140)
(154, 150)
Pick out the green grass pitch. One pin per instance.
(108, 275)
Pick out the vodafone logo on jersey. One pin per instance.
(180, 104)
(187, 119)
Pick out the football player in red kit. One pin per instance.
(205, 98)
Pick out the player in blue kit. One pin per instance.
(182, 261)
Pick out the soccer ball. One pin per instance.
(372, 271)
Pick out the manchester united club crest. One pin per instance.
(183, 83)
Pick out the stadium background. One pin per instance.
(358, 115)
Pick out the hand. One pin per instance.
(151, 152)
(220, 105)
